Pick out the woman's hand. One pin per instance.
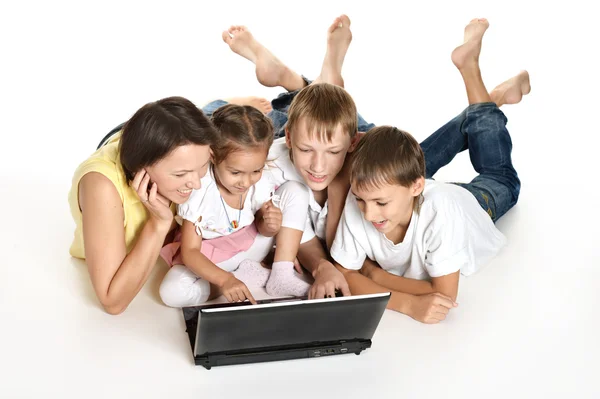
(156, 204)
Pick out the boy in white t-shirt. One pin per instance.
(419, 234)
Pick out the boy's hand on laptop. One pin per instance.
(430, 308)
(236, 291)
(328, 280)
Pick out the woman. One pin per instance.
(122, 196)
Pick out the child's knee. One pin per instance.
(181, 287)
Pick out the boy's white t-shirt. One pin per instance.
(206, 202)
(282, 169)
(450, 233)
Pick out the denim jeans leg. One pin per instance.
(442, 146)
(490, 149)
(212, 106)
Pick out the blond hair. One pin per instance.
(323, 107)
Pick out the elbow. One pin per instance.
(114, 310)
(111, 307)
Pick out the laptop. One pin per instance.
(282, 329)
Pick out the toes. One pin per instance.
(345, 20)
(337, 23)
(226, 37)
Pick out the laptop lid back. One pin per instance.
(236, 328)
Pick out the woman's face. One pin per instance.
(180, 171)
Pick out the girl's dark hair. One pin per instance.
(158, 128)
(240, 127)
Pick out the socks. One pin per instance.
(284, 281)
(252, 273)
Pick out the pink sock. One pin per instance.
(252, 273)
(284, 281)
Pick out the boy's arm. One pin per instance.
(328, 279)
(447, 285)
(430, 308)
(336, 199)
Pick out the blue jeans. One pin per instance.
(278, 115)
(481, 129)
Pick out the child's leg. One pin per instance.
(262, 104)
(443, 145)
(270, 71)
(293, 203)
(497, 186)
(339, 37)
(181, 287)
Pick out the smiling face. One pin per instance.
(241, 169)
(180, 171)
(388, 207)
(316, 159)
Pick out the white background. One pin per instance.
(527, 325)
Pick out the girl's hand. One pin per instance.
(236, 291)
(156, 204)
(272, 218)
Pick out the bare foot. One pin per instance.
(512, 91)
(467, 54)
(270, 71)
(339, 37)
(262, 104)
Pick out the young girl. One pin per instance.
(230, 218)
(423, 234)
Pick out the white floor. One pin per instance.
(527, 325)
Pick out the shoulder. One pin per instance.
(443, 197)
(98, 194)
(278, 149)
(352, 212)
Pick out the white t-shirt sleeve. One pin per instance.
(190, 210)
(447, 240)
(308, 233)
(346, 248)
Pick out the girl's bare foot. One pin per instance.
(512, 91)
(262, 104)
(270, 71)
(339, 37)
(467, 54)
